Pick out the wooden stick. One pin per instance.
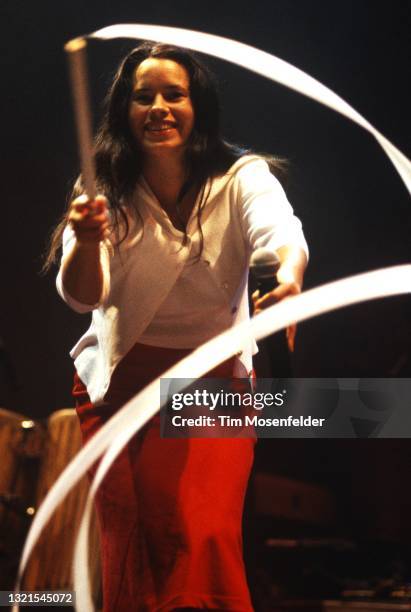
(76, 52)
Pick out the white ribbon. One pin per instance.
(371, 285)
(262, 63)
(123, 425)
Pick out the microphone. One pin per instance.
(264, 265)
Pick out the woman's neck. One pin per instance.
(166, 176)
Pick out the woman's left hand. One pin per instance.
(283, 291)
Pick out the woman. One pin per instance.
(161, 259)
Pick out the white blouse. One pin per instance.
(154, 290)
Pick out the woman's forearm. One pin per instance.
(82, 273)
(293, 263)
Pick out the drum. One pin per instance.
(50, 566)
(21, 443)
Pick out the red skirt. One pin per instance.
(170, 510)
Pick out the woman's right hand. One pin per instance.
(82, 272)
(89, 219)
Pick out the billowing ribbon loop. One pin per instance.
(262, 63)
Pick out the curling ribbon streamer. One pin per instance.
(371, 285)
(381, 283)
(115, 433)
(262, 63)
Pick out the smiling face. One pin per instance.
(161, 115)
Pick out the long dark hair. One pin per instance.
(118, 157)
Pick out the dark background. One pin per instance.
(355, 210)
